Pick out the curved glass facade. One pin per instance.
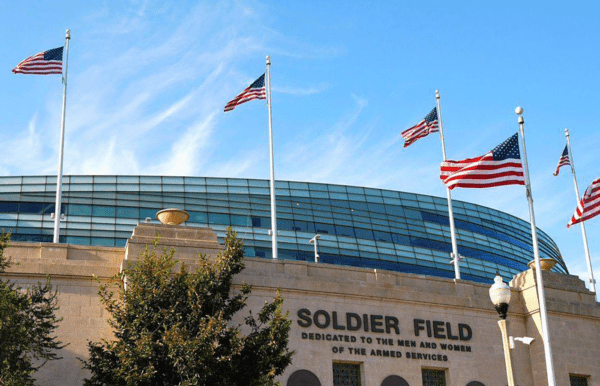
(360, 227)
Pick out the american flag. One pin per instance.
(429, 124)
(501, 166)
(255, 91)
(589, 206)
(564, 160)
(45, 63)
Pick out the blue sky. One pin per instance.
(148, 81)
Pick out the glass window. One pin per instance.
(324, 228)
(304, 226)
(34, 180)
(578, 380)
(379, 208)
(127, 212)
(219, 218)
(32, 207)
(433, 377)
(383, 236)
(105, 179)
(172, 180)
(78, 240)
(319, 194)
(128, 187)
(9, 207)
(34, 188)
(299, 185)
(79, 210)
(364, 234)
(344, 231)
(240, 220)
(338, 196)
(128, 179)
(261, 191)
(285, 224)
(147, 212)
(103, 211)
(314, 186)
(103, 241)
(346, 374)
(238, 190)
(172, 188)
(355, 190)
(10, 188)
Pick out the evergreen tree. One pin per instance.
(175, 328)
(27, 325)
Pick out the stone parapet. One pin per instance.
(63, 259)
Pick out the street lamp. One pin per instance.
(314, 241)
(500, 296)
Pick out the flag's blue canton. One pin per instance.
(565, 153)
(54, 54)
(507, 149)
(258, 83)
(432, 116)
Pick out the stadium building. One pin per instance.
(381, 308)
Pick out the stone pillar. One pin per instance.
(573, 316)
(188, 241)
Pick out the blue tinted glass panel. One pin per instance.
(284, 224)
(413, 214)
(344, 231)
(78, 240)
(102, 241)
(31, 207)
(382, 236)
(240, 220)
(79, 210)
(219, 218)
(324, 228)
(103, 211)
(198, 217)
(304, 226)
(128, 212)
(9, 207)
(147, 212)
(364, 234)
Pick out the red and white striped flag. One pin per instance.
(564, 160)
(427, 125)
(256, 90)
(589, 206)
(501, 166)
(45, 63)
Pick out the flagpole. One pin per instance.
(583, 233)
(448, 194)
(57, 206)
(273, 203)
(536, 255)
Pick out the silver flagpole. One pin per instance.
(455, 256)
(273, 206)
(583, 233)
(536, 255)
(57, 206)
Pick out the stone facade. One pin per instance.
(388, 323)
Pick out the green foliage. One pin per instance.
(27, 324)
(176, 328)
